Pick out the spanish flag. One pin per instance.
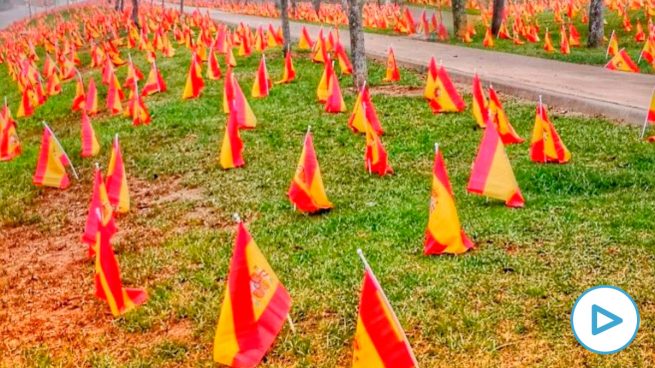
(380, 341)
(234, 102)
(80, 97)
(254, 309)
(114, 97)
(51, 166)
(213, 69)
(305, 42)
(27, 106)
(108, 284)
(90, 146)
(9, 142)
(320, 53)
(133, 75)
(307, 192)
(155, 82)
(444, 233)
(499, 117)
(194, 82)
(323, 89)
(364, 114)
(564, 47)
(101, 205)
(446, 97)
(546, 145)
(622, 62)
(53, 85)
(289, 73)
(230, 155)
(375, 157)
(262, 83)
(431, 83)
(334, 103)
(492, 174)
(392, 73)
(345, 66)
(480, 106)
(548, 43)
(116, 180)
(91, 103)
(488, 40)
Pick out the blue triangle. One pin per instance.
(595, 329)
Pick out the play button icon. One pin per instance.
(605, 319)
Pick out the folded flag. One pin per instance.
(392, 73)
(100, 214)
(262, 83)
(497, 114)
(375, 157)
(364, 114)
(307, 192)
(622, 62)
(80, 97)
(334, 103)
(289, 73)
(194, 82)
(213, 69)
(345, 66)
(116, 180)
(323, 89)
(446, 99)
(155, 83)
(9, 142)
(305, 42)
(234, 102)
(254, 309)
(52, 162)
(91, 101)
(479, 106)
(444, 234)
(90, 146)
(232, 147)
(546, 145)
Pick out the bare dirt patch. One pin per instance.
(46, 277)
(396, 90)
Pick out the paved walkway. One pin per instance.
(578, 88)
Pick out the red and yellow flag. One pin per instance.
(133, 75)
(622, 62)
(323, 89)
(194, 82)
(100, 214)
(108, 283)
(307, 192)
(53, 85)
(446, 99)
(392, 73)
(380, 341)
(213, 68)
(612, 46)
(375, 157)
(431, 83)
(90, 146)
(548, 43)
(564, 47)
(492, 173)
(444, 233)
(289, 73)
(232, 147)
(345, 66)
(254, 309)
(9, 142)
(234, 102)
(364, 114)
(27, 105)
(52, 162)
(497, 114)
(546, 145)
(155, 83)
(114, 96)
(488, 40)
(334, 103)
(480, 106)
(80, 97)
(91, 103)
(116, 180)
(305, 42)
(262, 83)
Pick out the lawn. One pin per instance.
(506, 303)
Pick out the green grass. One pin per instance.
(506, 303)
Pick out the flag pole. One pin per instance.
(386, 302)
(62, 150)
(607, 52)
(643, 129)
(436, 148)
(293, 327)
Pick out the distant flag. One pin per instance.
(375, 157)
(323, 89)
(546, 145)
(548, 43)
(564, 47)
(133, 74)
(648, 51)
(100, 213)
(446, 99)
(334, 102)
(289, 73)
(213, 69)
(444, 233)
(27, 106)
(229, 57)
(262, 84)
(307, 192)
(488, 40)
(53, 85)
(650, 117)
(392, 73)
(380, 341)
(255, 307)
(52, 162)
(108, 283)
(114, 97)
(499, 117)
(230, 156)
(235, 102)
(137, 109)
(622, 62)
(431, 83)
(612, 46)
(194, 82)
(364, 114)
(345, 66)
(640, 36)
(90, 146)
(154, 83)
(91, 103)
(492, 173)
(80, 97)
(9, 142)
(480, 107)
(116, 180)
(305, 42)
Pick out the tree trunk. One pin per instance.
(497, 17)
(181, 6)
(317, 5)
(294, 7)
(459, 17)
(135, 12)
(29, 7)
(357, 50)
(284, 17)
(596, 27)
